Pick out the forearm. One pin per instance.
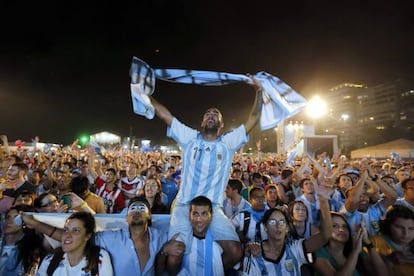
(350, 265)
(281, 194)
(49, 230)
(326, 219)
(255, 112)
(376, 265)
(388, 191)
(352, 201)
(162, 112)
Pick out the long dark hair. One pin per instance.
(294, 234)
(157, 206)
(91, 250)
(348, 244)
(30, 247)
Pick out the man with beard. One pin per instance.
(206, 161)
(134, 250)
(62, 183)
(14, 185)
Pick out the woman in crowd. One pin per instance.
(48, 203)
(279, 255)
(21, 248)
(24, 198)
(298, 218)
(396, 244)
(153, 193)
(343, 255)
(78, 255)
(343, 183)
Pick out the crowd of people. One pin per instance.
(230, 213)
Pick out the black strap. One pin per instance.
(246, 222)
(258, 235)
(58, 256)
(54, 263)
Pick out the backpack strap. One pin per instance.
(54, 263)
(258, 235)
(246, 222)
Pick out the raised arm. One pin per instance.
(352, 200)
(324, 189)
(162, 112)
(53, 232)
(256, 109)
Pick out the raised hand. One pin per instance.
(357, 240)
(324, 187)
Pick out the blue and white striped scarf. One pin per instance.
(280, 101)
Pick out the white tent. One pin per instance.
(403, 147)
(106, 138)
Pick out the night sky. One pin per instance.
(64, 66)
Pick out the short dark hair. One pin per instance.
(112, 170)
(286, 173)
(405, 182)
(236, 170)
(79, 185)
(257, 176)
(255, 189)
(201, 201)
(393, 213)
(343, 174)
(270, 211)
(21, 166)
(141, 199)
(235, 184)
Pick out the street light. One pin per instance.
(345, 117)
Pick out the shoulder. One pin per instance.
(103, 254)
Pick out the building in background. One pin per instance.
(363, 116)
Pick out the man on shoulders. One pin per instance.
(206, 162)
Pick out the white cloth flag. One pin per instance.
(280, 101)
(103, 221)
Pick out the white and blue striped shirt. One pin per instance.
(230, 210)
(205, 164)
(292, 258)
(204, 252)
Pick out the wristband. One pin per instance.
(83, 205)
(53, 231)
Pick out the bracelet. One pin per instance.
(83, 205)
(53, 231)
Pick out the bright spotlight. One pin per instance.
(316, 107)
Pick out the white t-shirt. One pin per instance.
(65, 269)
